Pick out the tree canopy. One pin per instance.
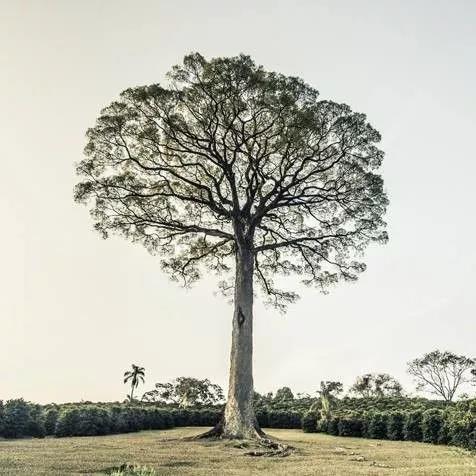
(136, 375)
(227, 154)
(376, 385)
(185, 392)
(441, 373)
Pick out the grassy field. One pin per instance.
(316, 454)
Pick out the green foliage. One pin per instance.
(404, 419)
(395, 422)
(432, 425)
(332, 426)
(309, 422)
(91, 420)
(186, 392)
(284, 394)
(21, 418)
(158, 173)
(377, 425)
(350, 425)
(283, 419)
(460, 427)
(386, 404)
(36, 422)
(135, 376)
(68, 422)
(51, 417)
(441, 373)
(392, 418)
(412, 430)
(16, 415)
(376, 385)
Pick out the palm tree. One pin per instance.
(136, 375)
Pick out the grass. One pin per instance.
(167, 454)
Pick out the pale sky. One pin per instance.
(76, 311)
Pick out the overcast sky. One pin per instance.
(76, 311)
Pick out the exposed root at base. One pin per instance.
(262, 444)
(271, 448)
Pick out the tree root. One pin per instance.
(264, 446)
(271, 448)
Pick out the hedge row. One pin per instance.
(430, 426)
(21, 419)
(389, 404)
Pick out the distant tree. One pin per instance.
(376, 385)
(330, 389)
(284, 394)
(441, 373)
(230, 167)
(262, 400)
(328, 393)
(186, 392)
(135, 376)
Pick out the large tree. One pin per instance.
(441, 373)
(231, 167)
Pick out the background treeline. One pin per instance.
(19, 418)
(376, 407)
(395, 418)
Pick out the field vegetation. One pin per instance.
(168, 453)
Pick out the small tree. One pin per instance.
(328, 394)
(376, 385)
(135, 376)
(284, 394)
(186, 392)
(441, 373)
(242, 171)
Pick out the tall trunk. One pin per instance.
(239, 418)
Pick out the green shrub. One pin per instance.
(395, 422)
(321, 426)
(431, 426)
(377, 425)
(51, 416)
(16, 418)
(461, 430)
(284, 419)
(350, 425)
(333, 426)
(93, 421)
(412, 426)
(68, 422)
(309, 422)
(262, 417)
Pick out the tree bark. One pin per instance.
(239, 417)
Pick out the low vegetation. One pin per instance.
(400, 419)
(167, 453)
(393, 418)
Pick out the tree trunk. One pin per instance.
(239, 418)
